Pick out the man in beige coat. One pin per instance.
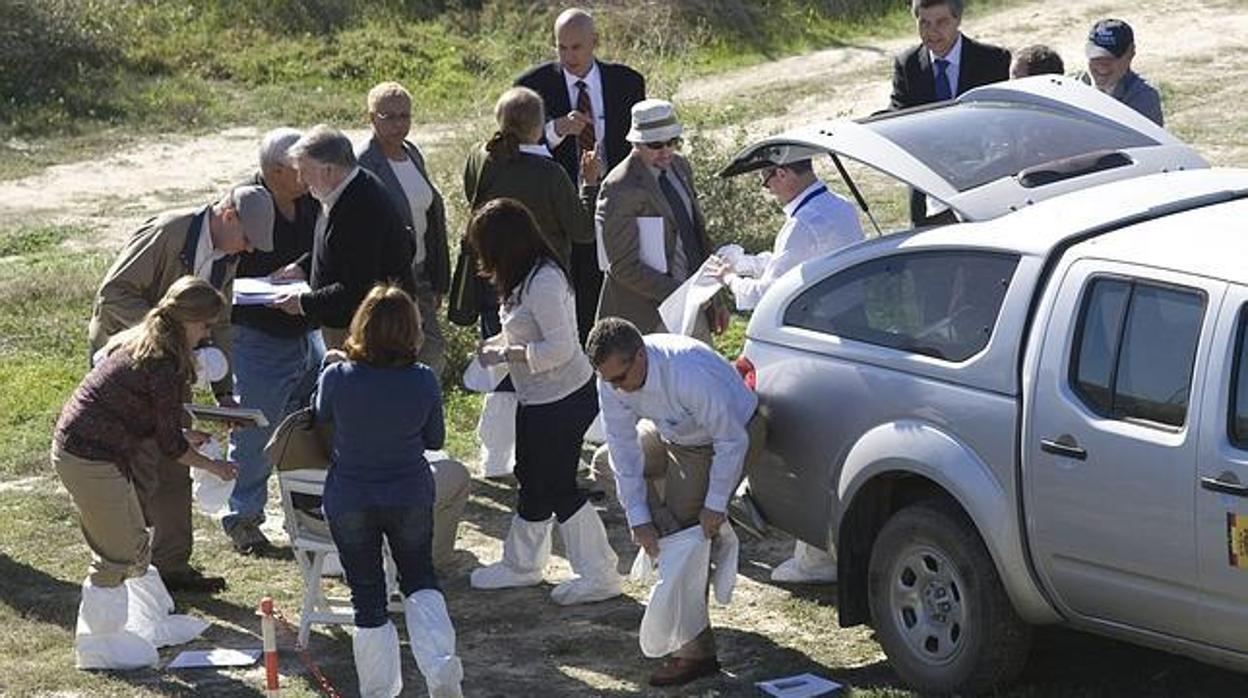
(651, 194)
(204, 242)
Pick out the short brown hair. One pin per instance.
(613, 336)
(385, 330)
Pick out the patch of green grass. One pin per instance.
(34, 239)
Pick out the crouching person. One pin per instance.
(386, 409)
(678, 419)
(132, 397)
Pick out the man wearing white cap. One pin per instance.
(205, 242)
(1110, 50)
(653, 233)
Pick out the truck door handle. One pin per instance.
(1064, 445)
(1213, 484)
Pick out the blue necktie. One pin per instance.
(684, 223)
(942, 80)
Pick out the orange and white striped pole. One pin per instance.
(268, 630)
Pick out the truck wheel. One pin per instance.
(937, 604)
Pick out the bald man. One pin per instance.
(588, 103)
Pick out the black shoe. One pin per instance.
(192, 580)
(247, 539)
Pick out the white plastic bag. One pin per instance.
(212, 493)
(150, 613)
(377, 663)
(496, 430)
(483, 379)
(677, 609)
(432, 639)
(101, 640)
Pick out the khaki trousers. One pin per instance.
(451, 482)
(164, 489)
(110, 517)
(677, 478)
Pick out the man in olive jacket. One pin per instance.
(204, 243)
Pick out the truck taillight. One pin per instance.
(746, 368)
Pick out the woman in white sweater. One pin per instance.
(557, 398)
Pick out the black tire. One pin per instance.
(937, 604)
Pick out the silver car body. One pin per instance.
(1137, 552)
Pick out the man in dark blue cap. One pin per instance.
(1110, 49)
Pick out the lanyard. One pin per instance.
(821, 190)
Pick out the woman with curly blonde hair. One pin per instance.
(132, 396)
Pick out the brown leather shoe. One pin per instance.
(679, 670)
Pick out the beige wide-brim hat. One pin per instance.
(654, 121)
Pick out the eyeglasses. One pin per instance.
(388, 115)
(671, 143)
(767, 176)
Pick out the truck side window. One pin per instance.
(1136, 346)
(1239, 385)
(941, 304)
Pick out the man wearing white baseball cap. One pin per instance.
(647, 204)
(1110, 50)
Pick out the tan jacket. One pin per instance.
(156, 255)
(630, 289)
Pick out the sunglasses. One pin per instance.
(767, 177)
(388, 115)
(671, 143)
(622, 375)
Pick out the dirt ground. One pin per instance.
(518, 643)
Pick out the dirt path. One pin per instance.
(1194, 43)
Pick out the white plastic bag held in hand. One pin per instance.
(212, 493)
(677, 609)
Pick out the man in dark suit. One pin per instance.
(944, 65)
(588, 102)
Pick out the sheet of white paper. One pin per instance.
(679, 311)
(262, 291)
(800, 686)
(603, 262)
(652, 245)
(193, 659)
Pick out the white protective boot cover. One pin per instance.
(376, 653)
(677, 610)
(151, 613)
(432, 637)
(808, 564)
(526, 550)
(101, 640)
(593, 561)
(496, 429)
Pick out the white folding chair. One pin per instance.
(311, 544)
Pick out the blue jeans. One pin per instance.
(267, 371)
(358, 535)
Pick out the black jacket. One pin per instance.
(622, 87)
(914, 78)
(365, 242)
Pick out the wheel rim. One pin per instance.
(928, 604)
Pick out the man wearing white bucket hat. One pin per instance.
(652, 230)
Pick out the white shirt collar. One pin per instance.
(332, 197)
(591, 78)
(205, 253)
(954, 56)
(535, 149)
(791, 207)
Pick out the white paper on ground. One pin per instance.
(262, 291)
(194, 659)
(679, 311)
(800, 686)
(652, 243)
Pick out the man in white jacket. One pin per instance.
(679, 417)
(816, 222)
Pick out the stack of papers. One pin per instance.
(263, 291)
(800, 686)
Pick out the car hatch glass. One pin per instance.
(971, 144)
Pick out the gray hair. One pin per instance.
(612, 336)
(574, 17)
(275, 147)
(326, 145)
(955, 6)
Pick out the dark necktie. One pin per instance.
(684, 223)
(583, 104)
(943, 90)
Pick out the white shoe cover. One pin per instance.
(496, 429)
(151, 614)
(592, 559)
(101, 640)
(526, 551)
(376, 653)
(808, 564)
(432, 637)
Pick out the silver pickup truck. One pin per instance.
(1038, 418)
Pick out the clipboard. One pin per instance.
(247, 416)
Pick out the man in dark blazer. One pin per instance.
(588, 105)
(944, 65)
